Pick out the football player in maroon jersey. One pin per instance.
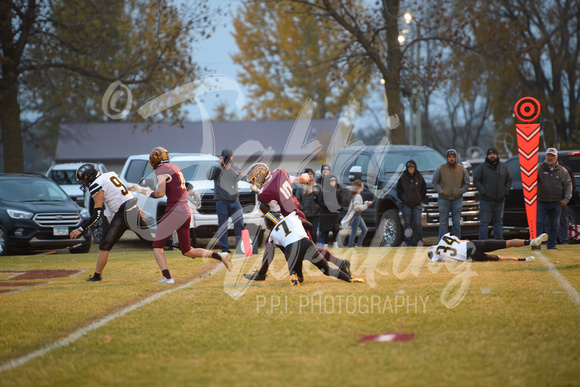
(275, 190)
(171, 183)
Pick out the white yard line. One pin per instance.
(14, 363)
(573, 293)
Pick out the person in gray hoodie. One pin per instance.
(493, 180)
(554, 192)
(450, 181)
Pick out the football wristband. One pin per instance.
(152, 195)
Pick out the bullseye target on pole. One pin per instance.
(527, 110)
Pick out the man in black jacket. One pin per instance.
(412, 190)
(493, 180)
(226, 176)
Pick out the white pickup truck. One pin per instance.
(194, 167)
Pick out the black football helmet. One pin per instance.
(86, 174)
(271, 219)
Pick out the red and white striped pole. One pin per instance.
(527, 110)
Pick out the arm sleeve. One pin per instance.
(400, 188)
(567, 185)
(477, 179)
(95, 216)
(465, 185)
(358, 203)
(213, 173)
(436, 178)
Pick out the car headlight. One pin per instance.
(85, 214)
(19, 214)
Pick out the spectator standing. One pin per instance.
(226, 176)
(412, 190)
(330, 207)
(554, 192)
(324, 171)
(194, 202)
(563, 229)
(353, 215)
(451, 181)
(493, 180)
(307, 195)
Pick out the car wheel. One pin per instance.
(389, 231)
(3, 241)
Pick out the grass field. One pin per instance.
(490, 324)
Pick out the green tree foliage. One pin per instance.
(59, 57)
(289, 56)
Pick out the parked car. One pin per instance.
(514, 218)
(65, 176)
(380, 167)
(194, 167)
(37, 215)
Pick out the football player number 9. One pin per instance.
(286, 190)
(119, 184)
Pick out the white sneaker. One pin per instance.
(226, 260)
(539, 239)
(531, 259)
(325, 245)
(335, 245)
(166, 281)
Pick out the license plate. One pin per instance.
(60, 231)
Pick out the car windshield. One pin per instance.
(427, 161)
(31, 190)
(63, 176)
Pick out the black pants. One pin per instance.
(477, 250)
(304, 249)
(127, 218)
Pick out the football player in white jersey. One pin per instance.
(289, 234)
(108, 189)
(452, 249)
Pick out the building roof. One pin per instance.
(110, 142)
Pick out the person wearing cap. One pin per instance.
(554, 192)
(450, 181)
(324, 170)
(329, 201)
(493, 180)
(226, 176)
(411, 191)
(307, 195)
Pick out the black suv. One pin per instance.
(36, 215)
(380, 167)
(514, 217)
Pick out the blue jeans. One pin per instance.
(563, 232)
(356, 222)
(413, 229)
(487, 208)
(454, 206)
(226, 210)
(549, 212)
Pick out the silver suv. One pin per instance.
(194, 167)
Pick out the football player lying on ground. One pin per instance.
(275, 190)
(108, 189)
(171, 183)
(452, 249)
(289, 234)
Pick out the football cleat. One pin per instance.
(226, 260)
(158, 156)
(86, 174)
(257, 175)
(166, 281)
(530, 259)
(357, 281)
(294, 279)
(345, 267)
(255, 276)
(539, 239)
(93, 278)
